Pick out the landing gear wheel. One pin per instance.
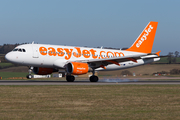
(70, 78)
(29, 76)
(94, 78)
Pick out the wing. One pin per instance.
(96, 63)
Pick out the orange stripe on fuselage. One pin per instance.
(77, 52)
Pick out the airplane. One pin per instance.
(45, 59)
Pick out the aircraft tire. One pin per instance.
(94, 78)
(70, 78)
(29, 76)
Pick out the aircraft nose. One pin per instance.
(8, 57)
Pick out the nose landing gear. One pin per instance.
(29, 76)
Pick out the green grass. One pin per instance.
(5, 64)
(162, 60)
(90, 102)
(6, 75)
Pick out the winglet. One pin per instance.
(158, 53)
(144, 42)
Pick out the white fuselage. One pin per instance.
(54, 56)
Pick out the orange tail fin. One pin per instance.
(144, 42)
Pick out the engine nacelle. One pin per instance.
(43, 71)
(77, 68)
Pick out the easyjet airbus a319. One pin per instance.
(45, 59)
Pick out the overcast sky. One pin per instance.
(109, 23)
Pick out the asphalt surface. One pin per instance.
(86, 82)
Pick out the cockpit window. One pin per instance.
(23, 50)
(15, 50)
(19, 50)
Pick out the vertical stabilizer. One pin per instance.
(144, 42)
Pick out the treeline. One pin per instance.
(173, 57)
(7, 48)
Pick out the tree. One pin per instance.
(7, 48)
(176, 54)
(170, 55)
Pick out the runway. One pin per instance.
(86, 82)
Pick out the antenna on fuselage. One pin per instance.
(101, 47)
(33, 42)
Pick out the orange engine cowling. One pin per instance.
(42, 71)
(77, 68)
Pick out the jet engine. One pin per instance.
(77, 68)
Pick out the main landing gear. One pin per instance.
(70, 78)
(94, 78)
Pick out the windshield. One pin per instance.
(15, 49)
(19, 50)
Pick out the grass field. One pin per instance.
(6, 75)
(90, 102)
(5, 64)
